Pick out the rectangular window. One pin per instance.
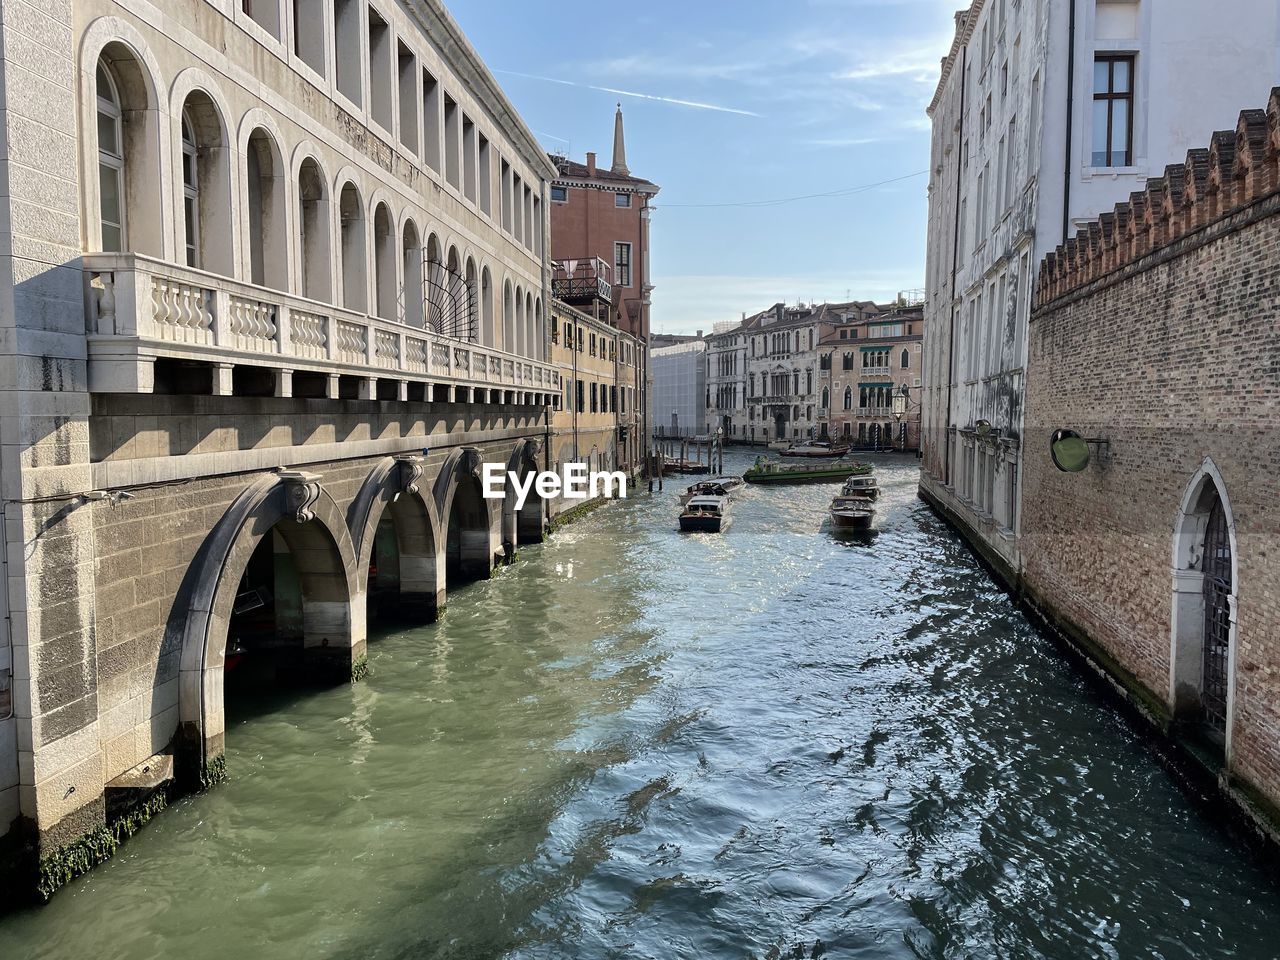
(559, 194)
(582, 405)
(452, 142)
(380, 96)
(504, 195)
(346, 42)
(265, 13)
(409, 101)
(536, 221)
(431, 138)
(594, 402)
(486, 178)
(517, 206)
(622, 264)
(622, 199)
(469, 162)
(308, 33)
(1113, 110)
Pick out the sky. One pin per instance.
(730, 106)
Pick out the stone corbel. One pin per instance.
(410, 469)
(302, 490)
(471, 462)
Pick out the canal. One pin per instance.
(638, 744)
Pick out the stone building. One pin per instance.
(1155, 338)
(727, 380)
(1045, 114)
(600, 238)
(596, 418)
(274, 294)
(863, 364)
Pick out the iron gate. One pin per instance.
(1217, 618)
(449, 301)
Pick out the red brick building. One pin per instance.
(600, 242)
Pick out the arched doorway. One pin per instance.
(1203, 626)
(272, 597)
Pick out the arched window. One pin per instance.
(531, 338)
(268, 260)
(508, 320)
(413, 291)
(521, 346)
(489, 336)
(848, 398)
(190, 191)
(906, 359)
(1217, 590)
(355, 275)
(826, 397)
(384, 263)
(313, 202)
(111, 162)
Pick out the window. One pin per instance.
(1113, 110)
(110, 163)
(847, 362)
(622, 263)
(380, 69)
(346, 39)
(308, 35)
(431, 130)
(906, 359)
(408, 67)
(486, 177)
(622, 199)
(560, 194)
(452, 142)
(190, 192)
(848, 398)
(265, 13)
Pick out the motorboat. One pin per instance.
(704, 514)
(715, 487)
(852, 513)
(819, 449)
(775, 471)
(863, 485)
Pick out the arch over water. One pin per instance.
(398, 543)
(470, 522)
(527, 525)
(286, 513)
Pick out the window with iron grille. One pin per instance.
(1217, 618)
(1113, 110)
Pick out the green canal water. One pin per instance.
(634, 743)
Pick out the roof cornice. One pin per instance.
(965, 21)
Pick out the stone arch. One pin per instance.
(413, 289)
(268, 216)
(520, 343)
(435, 283)
(139, 80)
(530, 336)
(199, 110)
(473, 296)
(469, 521)
(314, 219)
(314, 530)
(395, 527)
(1188, 626)
(527, 525)
(385, 303)
(508, 319)
(488, 335)
(352, 246)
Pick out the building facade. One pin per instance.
(727, 381)
(1154, 337)
(263, 328)
(600, 242)
(1046, 113)
(679, 389)
(863, 365)
(596, 418)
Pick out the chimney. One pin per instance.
(591, 164)
(699, 337)
(779, 312)
(619, 146)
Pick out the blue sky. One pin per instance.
(794, 98)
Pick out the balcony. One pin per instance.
(579, 282)
(139, 310)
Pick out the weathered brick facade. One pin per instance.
(1158, 330)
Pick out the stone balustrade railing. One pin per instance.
(138, 308)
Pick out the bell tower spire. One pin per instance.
(619, 146)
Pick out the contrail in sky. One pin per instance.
(632, 93)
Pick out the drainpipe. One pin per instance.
(955, 267)
(1071, 102)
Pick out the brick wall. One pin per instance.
(1158, 329)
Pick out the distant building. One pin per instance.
(679, 375)
(864, 364)
(600, 240)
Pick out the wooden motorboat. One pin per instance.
(774, 471)
(705, 515)
(852, 513)
(819, 449)
(715, 487)
(864, 485)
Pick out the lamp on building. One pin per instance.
(1070, 451)
(982, 428)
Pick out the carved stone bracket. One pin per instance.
(471, 462)
(410, 472)
(302, 490)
